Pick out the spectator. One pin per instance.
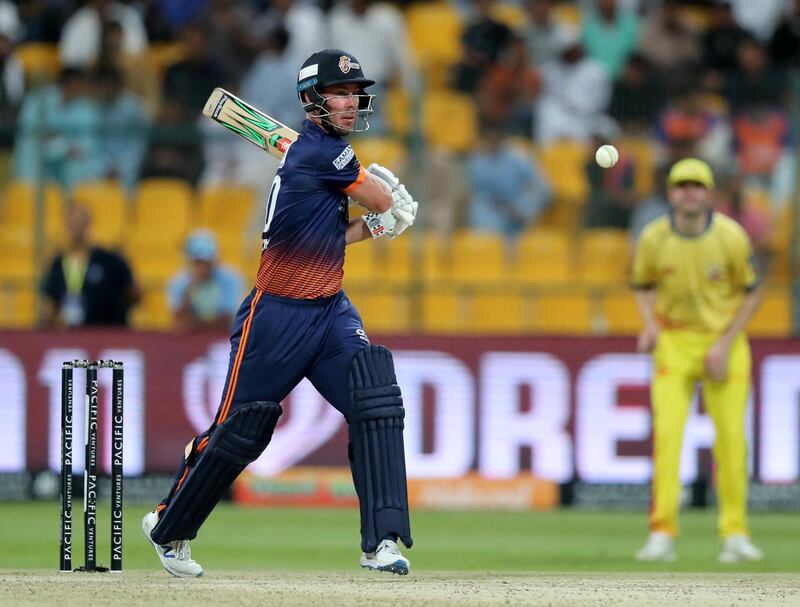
(163, 18)
(446, 187)
(612, 193)
(668, 43)
(722, 39)
(543, 32)
(87, 285)
(785, 44)
(123, 128)
(575, 94)
(42, 20)
(762, 140)
(652, 207)
(376, 34)
(304, 21)
(189, 82)
(205, 294)
(638, 96)
(230, 42)
(174, 147)
(58, 136)
(508, 90)
(508, 189)
(270, 82)
(12, 76)
(755, 81)
(138, 76)
(759, 18)
(689, 126)
(82, 36)
(483, 41)
(610, 35)
(755, 221)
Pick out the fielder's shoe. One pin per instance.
(176, 557)
(660, 546)
(739, 549)
(387, 557)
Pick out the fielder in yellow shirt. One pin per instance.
(696, 288)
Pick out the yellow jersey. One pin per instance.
(699, 280)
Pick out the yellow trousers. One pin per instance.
(678, 366)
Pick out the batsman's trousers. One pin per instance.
(679, 364)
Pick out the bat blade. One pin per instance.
(249, 123)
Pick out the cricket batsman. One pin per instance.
(297, 322)
(696, 287)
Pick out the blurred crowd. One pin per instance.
(711, 78)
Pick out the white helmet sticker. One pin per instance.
(309, 70)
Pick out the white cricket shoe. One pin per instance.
(387, 557)
(660, 546)
(739, 549)
(176, 557)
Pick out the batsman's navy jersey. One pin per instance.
(306, 218)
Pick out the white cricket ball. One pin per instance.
(606, 156)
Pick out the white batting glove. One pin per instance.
(404, 207)
(380, 224)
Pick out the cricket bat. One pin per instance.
(249, 123)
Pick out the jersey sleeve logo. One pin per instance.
(342, 159)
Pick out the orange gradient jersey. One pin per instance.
(307, 217)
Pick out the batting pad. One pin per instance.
(239, 440)
(377, 457)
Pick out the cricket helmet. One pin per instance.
(329, 67)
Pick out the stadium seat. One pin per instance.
(18, 307)
(398, 111)
(564, 164)
(567, 13)
(498, 314)
(434, 30)
(160, 55)
(383, 150)
(106, 202)
(449, 120)
(227, 207)
(641, 150)
(17, 262)
(543, 257)
(444, 312)
(382, 312)
(605, 257)
(360, 265)
(20, 203)
(479, 259)
(562, 313)
(513, 16)
(774, 316)
(620, 314)
(152, 312)
(163, 208)
(39, 61)
(436, 259)
(153, 259)
(395, 261)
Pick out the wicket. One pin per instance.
(90, 481)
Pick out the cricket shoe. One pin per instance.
(176, 557)
(387, 557)
(660, 546)
(739, 549)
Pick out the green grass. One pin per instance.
(309, 539)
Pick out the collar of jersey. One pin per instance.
(675, 230)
